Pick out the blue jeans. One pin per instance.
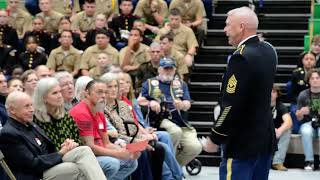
(171, 167)
(116, 169)
(250, 169)
(307, 134)
(283, 145)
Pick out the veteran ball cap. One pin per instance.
(167, 62)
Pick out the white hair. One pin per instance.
(44, 86)
(246, 16)
(80, 86)
(14, 99)
(63, 74)
(155, 45)
(109, 77)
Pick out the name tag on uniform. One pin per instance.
(38, 141)
(101, 126)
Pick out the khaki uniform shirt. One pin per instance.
(184, 38)
(58, 60)
(90, 56)
(182, 67)
(143, 10)
(66, 7)
(51, 23)
(138, 57)
(107, 7)
(83, 22)
(21, 21)
(189, 11)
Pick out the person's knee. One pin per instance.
(192, 147)
(176, 133)
(110, 166)
(306, 131)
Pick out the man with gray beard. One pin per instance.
(116, 162)
(168, 98)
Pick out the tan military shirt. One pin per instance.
(182, 67)
(90, 56)
(143, 10)
(189, 10)
(51, 23)
(21, 21)
(61, 60)
(138, 57)
(83, 22)
(66, 7)
(184, 38)
(107, 7)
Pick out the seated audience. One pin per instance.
(171, 168)
(118, 112)
(8, 34)
(192, 14)
(65, 25)
(15, 72)
(51, 17)
(32, 57)
(148, 69)
(84, 20)
(166, 42)
(171, 90)
(30, 154)
(67, 8)
(42, 71)
(15, 85)
(308, 105)
(42, 36)
(115, 161)
(146, 39)
(65, 57)
(80, 86)
(154, 12)
(184, 40)
(89, 57)
(100, 23)
(19, 18)
(123, 23)
(108, 8)
(8, 58)
(104, 65)
(66, 83)
(283, 123)
(133, 55)
(29, 80)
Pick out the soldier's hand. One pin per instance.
(178, 104)
(305, 110)
(155, 106)
(188, 60)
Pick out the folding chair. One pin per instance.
(6, 167)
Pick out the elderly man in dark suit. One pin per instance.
(32, 156)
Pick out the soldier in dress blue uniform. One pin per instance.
(169, 99)
(245, 128)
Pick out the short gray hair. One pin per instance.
(41, 91)
(109, 77)
(63, 74)
(80, 86)
(247, 16)
(14, 98)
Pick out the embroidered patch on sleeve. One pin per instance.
(232, 84)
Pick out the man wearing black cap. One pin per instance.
(90, 55)
(168, 98)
